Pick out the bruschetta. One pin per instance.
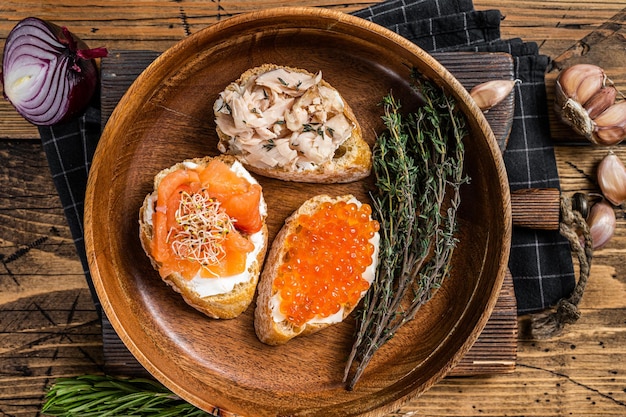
(203, 229)
(320, 265)
(291, 124)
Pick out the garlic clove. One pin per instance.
(581, 81)
(488, 94)
(600, 101)
(610, 125)
(602, 223)
(590, 86)
(611, 176)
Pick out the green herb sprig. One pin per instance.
(106, 396)
(418, 164)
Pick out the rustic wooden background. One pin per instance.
(48, 326)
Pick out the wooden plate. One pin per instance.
(166, 117)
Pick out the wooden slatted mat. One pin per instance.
(495, 351)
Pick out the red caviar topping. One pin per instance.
(325, 260)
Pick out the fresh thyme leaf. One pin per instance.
(418, 164)
(308, 127)
(313, 127)
(105, 396)
(269, 145)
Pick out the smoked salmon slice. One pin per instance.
(212, 191)
(238, 196)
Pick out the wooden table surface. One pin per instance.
(48, 324)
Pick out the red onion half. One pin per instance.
(49, 75)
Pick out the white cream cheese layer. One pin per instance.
(206, 287)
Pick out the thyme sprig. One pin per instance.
(102, 396)
(418, 164)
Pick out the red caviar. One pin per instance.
(325, 259)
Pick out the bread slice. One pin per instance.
(275, 329)
(262, 138)
(222, 303)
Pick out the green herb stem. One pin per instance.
(418, 164)
(105, 396)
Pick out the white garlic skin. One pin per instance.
(611, 176)
(602, 223)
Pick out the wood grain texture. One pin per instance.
(580, 373)
(495, 350)
(165, 117)
(536, 208)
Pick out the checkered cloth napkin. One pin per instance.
(540, 261)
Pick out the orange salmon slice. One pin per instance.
(237, 196)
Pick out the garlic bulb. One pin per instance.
(602, 223)
(586, 101)
(611, 176)
(488, 94)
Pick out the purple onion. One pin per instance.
(49, 75)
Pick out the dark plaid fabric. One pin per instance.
(69, 148)
(540, 262)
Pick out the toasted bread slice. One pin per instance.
(217, 297)
(274, 327)
(290, 124)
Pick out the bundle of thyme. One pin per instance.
(101, 396)
(418, 164)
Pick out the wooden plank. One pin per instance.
(553, 24)
(48, 325)
(495, 351)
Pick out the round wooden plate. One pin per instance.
(166, 116)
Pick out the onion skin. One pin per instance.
(48, 74)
